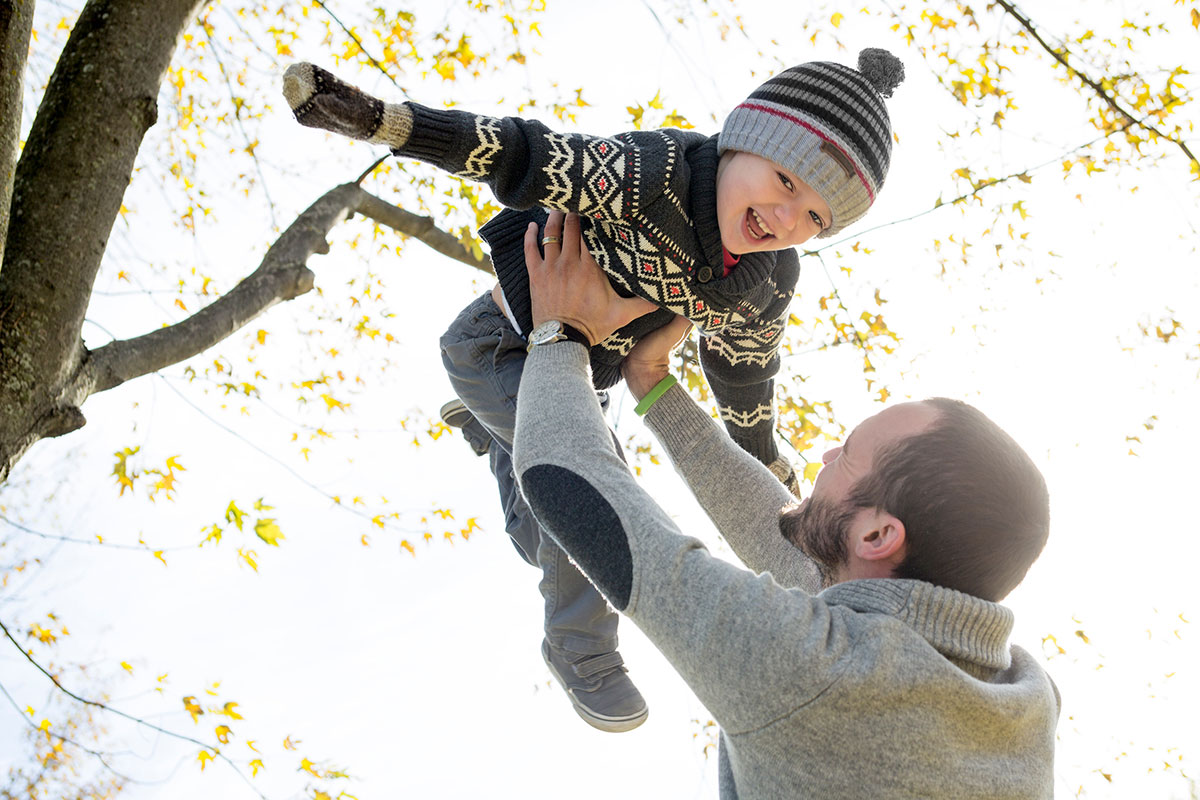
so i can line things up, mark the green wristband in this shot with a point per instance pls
(658, 391)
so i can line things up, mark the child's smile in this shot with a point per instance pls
(762, 207)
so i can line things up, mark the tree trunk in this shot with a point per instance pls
(16, 22)
(67, 191)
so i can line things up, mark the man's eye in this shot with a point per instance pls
(785, 180)
(817, 219)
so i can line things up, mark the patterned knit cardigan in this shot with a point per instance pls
(651, 200)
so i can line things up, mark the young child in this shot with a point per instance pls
(702, 226)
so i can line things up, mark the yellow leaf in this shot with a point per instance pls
(408, 546)
(234, 514)
(230, 710)
(45, 726)
(268, 531)
(223, 732)
(657, 101)
(836, 20)
(125, 666)
(173, 464)
(192, 707)
(204, 758)
(262, 336)
(159, 555)
(309, 767)
(248, 556)
(288, 744)
(1195, 18)
(255, 766)
(259, 505)
(811, 469)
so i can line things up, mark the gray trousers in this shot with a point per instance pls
(484, 358)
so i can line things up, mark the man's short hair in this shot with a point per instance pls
(975, 508)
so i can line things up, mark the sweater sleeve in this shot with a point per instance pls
(740, 495)
(710, 618)
(740, 363)
(528, 165)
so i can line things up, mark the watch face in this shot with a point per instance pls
(548, 331)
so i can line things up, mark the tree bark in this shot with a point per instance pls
(16, 22)
(67, 190)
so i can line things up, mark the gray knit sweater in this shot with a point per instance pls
(871, 688)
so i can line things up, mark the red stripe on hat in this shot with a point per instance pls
(777, 113)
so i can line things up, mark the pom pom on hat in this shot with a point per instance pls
(827, 124)
(882, 69)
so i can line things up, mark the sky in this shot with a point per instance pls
(421, 675)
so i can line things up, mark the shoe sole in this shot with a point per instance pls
(598, 721)
(454, 414)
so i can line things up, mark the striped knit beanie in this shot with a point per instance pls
(827, 124)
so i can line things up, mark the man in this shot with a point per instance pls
(885, 671)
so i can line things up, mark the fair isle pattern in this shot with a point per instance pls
(600, 188)
(644, 205)
(558, 171)
(479, 163)
(744, 349)
(747, 419)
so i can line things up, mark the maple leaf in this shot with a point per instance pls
(223, 732)
(255, 766)
(204, 758)
(268, 531)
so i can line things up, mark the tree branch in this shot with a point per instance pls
(1061, 57)
(422, 228)
(123, 715)
(16, 22)
(282, 275)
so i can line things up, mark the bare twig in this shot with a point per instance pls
(378, 65)
(1061, 56)
(130, 717)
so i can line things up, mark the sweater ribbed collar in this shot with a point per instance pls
(971, 632)
(752, 268)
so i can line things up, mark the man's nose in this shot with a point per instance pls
(830, 454)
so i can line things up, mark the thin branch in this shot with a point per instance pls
(100, 756)
(97, 542)
(1061, 57)
(130, 717)
(988, 184)
(361, 47)
(237, 118)
(421, 228)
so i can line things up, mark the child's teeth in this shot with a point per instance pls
(765, 228)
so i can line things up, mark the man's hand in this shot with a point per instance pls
(648, 361)
(569, 286)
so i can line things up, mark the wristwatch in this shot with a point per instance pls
(552, 331)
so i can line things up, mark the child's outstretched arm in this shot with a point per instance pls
(740, 364)
(525, 163)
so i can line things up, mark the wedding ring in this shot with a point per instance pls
(550, 240)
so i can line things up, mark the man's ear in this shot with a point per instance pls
(879, 538)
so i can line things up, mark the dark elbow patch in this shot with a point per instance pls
(585, 525)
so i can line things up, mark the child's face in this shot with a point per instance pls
(761, 206)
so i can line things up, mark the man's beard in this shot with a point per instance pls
(821, 530)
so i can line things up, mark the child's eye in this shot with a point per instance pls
(786, 181)
(817, 219)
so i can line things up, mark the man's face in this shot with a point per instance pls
(761, 206)
(824, 522)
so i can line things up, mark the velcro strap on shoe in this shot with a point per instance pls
(596, 665)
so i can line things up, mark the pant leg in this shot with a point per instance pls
(484, 358)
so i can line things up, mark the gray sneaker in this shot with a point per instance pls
(456, 415)
(599, 689)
